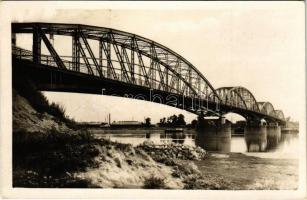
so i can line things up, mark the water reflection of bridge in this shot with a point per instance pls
(222, 142)
(209, 141)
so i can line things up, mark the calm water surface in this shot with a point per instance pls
(286, 146)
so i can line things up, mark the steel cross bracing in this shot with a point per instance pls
(132, 59)
(241, 97)
(174, 72)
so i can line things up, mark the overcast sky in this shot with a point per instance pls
(257, 45)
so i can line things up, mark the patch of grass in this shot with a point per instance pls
(52, 154)
(154, 183)
(40, 103)
(56, 110)
(28, 178)
(27, 89)
(208, 183)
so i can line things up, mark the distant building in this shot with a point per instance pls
(92, 124)
(294, 126)
(126, 124)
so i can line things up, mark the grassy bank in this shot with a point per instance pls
(48, 159)
(76, 159)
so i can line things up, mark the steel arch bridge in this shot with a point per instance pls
(126, 63)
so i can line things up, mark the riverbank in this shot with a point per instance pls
(49, 150)
(77, 160)
(48, 153)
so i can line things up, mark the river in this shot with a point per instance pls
(286, 146)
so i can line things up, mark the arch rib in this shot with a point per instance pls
(164, 56)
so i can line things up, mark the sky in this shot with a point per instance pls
(256, 45)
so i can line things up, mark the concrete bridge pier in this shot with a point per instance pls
(214, 135)
(273, 135)
(256, 137)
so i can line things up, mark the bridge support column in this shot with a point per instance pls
(273, 135)
(214, 135)
(75, 52)
(255, 137)
(100, 55)
(36, 45)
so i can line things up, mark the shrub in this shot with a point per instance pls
(56, 110)
(40, 103)
(27, 89)
(54, 153)
(154, 183)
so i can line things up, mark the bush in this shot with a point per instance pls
(22, 178)
(57, 111)
(154, 183)
(54, 153)
(27, 89)
(40, 103)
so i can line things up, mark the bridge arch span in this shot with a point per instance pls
(267, 108)
(165, 70)
(239, 97)
(122, 62)
(279, 114)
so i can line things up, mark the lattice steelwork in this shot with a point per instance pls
(279, 114)
(132, 59)
(241, 97)
(121, 56)
(267, 107)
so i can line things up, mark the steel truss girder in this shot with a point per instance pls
(107, 52)
(159, 55)
(266, 107)
(87, 63)
(279, 114)
(75, 52)
(123, 38)
(139, 52)
(226, 96)
(36, 46)
(243, 94)
(89, 50)
(132, 59)
(50, 48)
(158, 67)
(126, 57)
(121, 62)
(141, 63)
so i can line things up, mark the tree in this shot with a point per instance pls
(194, 123)
(147, 122)
(180, 120)
(172, 120)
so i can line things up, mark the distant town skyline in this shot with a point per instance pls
(260, 48)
